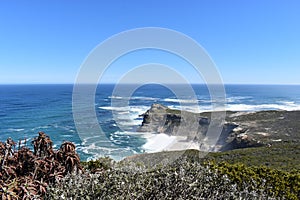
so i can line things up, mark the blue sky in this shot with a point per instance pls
(250, 41)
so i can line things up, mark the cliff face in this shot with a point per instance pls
(241, 130)
(161, 119)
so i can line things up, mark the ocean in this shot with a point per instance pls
(27, 109)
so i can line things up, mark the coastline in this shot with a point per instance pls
(240, 130)
(27, 109)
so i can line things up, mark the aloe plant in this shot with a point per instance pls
(26, 175)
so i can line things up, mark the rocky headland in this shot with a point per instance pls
(240, 129)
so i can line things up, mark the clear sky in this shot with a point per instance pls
(250, 41)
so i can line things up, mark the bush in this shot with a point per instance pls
(180, 180)
(275, 183)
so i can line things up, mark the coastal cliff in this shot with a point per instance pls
(240, 130)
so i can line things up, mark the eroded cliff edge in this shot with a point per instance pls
(240, 130)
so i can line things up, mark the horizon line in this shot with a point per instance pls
(110, 83)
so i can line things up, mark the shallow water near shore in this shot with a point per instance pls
(27, 109)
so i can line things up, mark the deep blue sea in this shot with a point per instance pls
(27, 109)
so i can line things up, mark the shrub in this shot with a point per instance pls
(179, 180)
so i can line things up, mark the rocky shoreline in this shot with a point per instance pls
(240, 130)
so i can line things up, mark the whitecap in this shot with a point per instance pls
(247, 107)
(130, 117)
(144, 98)
(134, 98)
(123, 109)
(96, 152)
(190, 101)
(15, 129)
(282, 105)
(130, 133)
(237, 98)
(117, 97)
(194, 108)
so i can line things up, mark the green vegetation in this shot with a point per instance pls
(275, 183)
(181, 179)
(253, 173)
(282, 156)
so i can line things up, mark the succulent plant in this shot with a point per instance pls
(26, 175)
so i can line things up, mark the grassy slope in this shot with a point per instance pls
(282, 156)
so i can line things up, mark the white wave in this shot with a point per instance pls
(201, 100)
(117, 97)
(129, 123)
(132, 112)
(129, 133)
(134, 98)
(144, 98)
(15, 129)
(164, 142)
(121, 109)
(125, 109)
(181, 100)
(158, 142)
(93, 146)
(205, 101)
(194, 108)
(282, 105)
(291, 103)
(90, 139)
(237, 98)
(246, 107)
(96, 151)
(126, 117)
(67, 136)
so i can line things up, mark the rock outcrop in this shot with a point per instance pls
(161, 119)
(241, 129)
